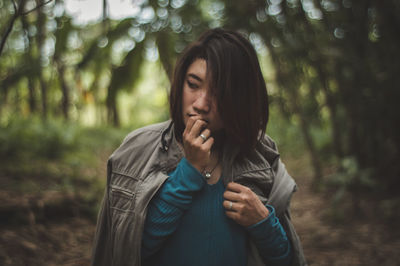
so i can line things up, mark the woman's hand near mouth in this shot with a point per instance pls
(197, 150)
(198, 117)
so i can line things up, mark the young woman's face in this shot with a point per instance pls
(198, 100)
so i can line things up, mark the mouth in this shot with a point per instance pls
(200, 118)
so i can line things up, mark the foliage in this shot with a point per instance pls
(330, 67)
(38, 157)
(26, 139)
(53, 139)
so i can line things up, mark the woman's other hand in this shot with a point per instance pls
(243, 206)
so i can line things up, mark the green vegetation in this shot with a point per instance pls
(63, 160)
(331, 69)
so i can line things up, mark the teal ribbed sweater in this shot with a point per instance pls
(186, 225)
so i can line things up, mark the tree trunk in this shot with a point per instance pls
(318, 64)
(164, 49)
(43, 90)
(112, 111)
(330, 102)
(304, 123)
(30, 59)
(305, 129)
(32, 98)
(41, 35)
(65, 102)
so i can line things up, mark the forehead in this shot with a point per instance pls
(198, 68)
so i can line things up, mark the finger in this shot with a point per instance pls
(235, 187)
(208, 144)
(197, 127)
(233, 215)
(229, 205)
(205, 145)
(206, 133)
(189, 125)
(232, 196)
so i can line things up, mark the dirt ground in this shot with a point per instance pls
(353, 241)
(68, 241)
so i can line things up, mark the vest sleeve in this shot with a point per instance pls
(298, 258)
(282, 191)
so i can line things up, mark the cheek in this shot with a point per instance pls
(188, 99)
(185, 97)
(185, 102)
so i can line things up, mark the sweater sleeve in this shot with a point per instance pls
(168, 205)
(271, 240)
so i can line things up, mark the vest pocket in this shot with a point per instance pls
(121, 199)
(122, 193)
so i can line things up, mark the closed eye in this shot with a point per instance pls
(192, 85)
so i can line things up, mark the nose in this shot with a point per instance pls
(202, 104)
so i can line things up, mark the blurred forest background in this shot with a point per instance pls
(72, 85)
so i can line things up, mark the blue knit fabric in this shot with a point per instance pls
(186, 225)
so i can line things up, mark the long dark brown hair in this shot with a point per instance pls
(237, 81)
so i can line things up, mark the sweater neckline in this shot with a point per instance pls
(215, 184)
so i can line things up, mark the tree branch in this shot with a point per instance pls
(36, 7)
(8, 30)
(18, 12)
(15, 6)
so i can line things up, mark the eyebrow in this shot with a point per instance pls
(195, 77)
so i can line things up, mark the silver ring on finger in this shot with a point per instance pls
(203, 137)
(230, 205)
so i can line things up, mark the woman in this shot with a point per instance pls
(207, 187)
